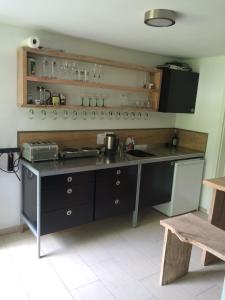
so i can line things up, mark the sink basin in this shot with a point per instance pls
(140, 153)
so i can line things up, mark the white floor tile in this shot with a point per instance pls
(11, 285)
(92, 291)
(43, 283)
(120, 283)
(212, 294)
(71, 269)
(138, 266)
(166, 292)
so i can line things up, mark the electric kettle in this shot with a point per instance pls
(111, 144)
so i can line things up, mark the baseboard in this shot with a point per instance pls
(12, 229)
(203, 210)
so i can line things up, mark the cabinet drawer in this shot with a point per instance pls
(108, 191)
(116, 173)
(67, 179)
(114, 206)
(65, 196)
(66, 218)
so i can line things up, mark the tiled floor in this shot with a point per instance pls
(100, 261)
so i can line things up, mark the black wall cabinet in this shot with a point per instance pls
(178, 91)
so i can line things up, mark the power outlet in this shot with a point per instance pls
(100, 138)
(10, 166)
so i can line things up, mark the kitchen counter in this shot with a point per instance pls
(161, 153)
(51, 203)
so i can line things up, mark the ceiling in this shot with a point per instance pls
(199, 30)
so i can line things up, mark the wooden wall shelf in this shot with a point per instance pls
(24, 78)
(90, 84)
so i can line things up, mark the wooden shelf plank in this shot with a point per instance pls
(91, 59)
(91, 84)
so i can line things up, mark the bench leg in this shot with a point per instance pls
(175, 258)
(217, 218)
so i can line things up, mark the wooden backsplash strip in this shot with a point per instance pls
(87, 138)
(193, 140)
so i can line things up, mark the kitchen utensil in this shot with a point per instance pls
(111, 144)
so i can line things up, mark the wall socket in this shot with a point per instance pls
(100, 138)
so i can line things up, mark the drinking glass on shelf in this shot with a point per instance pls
(42, 114)
(53, 68)
(146, 80)
(138, 115)
(73, 114)
(86, 101)
(132, 115)
(103, 100)
(93, 101)
(82, 100)
(101, 115)
(64, 114)
(86, 75)
(99, 73)
(45, 66)
(92, 114)
(84, 115)
(146, 115)
(30, 114)
(99, 101)
(94, 73)
(117, 115)
(64, 69)
(53, 114)
(125, 115)
(74, 71)
(109, 115)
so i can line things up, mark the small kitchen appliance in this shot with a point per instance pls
(111, 144)
(68, 153)
(40, 151)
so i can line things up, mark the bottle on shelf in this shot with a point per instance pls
(175, 139)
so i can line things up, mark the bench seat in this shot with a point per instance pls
(181, 233)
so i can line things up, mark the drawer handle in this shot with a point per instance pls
(117, 201)
(69, 179)
(118, 172)
(69, 191)
(117, 182)
(69, 212)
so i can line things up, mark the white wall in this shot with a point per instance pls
(209, 114)
(13, 118)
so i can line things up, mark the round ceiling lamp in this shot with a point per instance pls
(160, 17)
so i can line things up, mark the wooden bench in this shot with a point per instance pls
(180, 234)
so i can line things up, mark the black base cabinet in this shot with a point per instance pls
(115, 191)
(156, 183)
(73, 199)
(178, 91)
(66, 201)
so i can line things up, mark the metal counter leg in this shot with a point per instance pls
(38, 216)
(38, 246)
(135, 213)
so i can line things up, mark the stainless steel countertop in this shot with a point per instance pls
(162, 153)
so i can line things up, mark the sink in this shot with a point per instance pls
(140, 153)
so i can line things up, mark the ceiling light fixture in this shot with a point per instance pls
(160, 17)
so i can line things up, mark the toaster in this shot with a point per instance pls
(40, 151)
